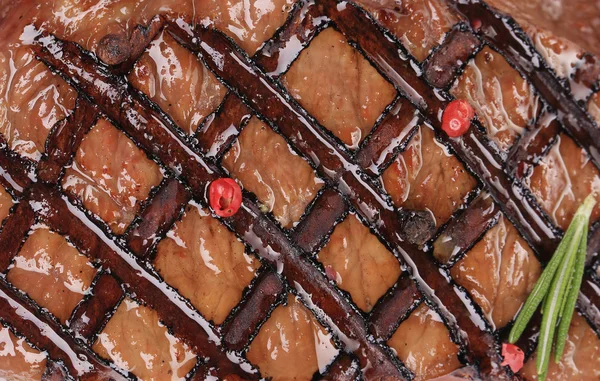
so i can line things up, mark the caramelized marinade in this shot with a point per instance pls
(385, 249)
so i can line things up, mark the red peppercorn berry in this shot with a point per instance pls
(476, 24)
(225, 196)
(513, 357)
(457, 118)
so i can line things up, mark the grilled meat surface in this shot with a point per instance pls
(369, 244)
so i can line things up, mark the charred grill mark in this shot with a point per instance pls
(445, 63)
(15, 172)
(589, 304)
(14, 232)
(93, 312)
(253, 311)
(389, 138)
(157, 218)
(344, 368)
(593, 258)
(186, 323)
(267, 99)
(293, 268)
(463, 231)
(279, 53)
(64, 139)
(220, 129)
(329, 208)
(46, 334)
(503, 33)
(394, 307)
(533, 145)
(161, 140)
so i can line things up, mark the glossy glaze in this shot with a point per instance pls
(249, 23)
(52, 272)
(503, 100)
(562, 55)
(562, 17)
(32, 100)
(320, 80)
(358, 263)
(291, 345)
(499, 272)
(178, 82)
(423, 343)
(428, 177)
(265, 165)
(136, 341)
(111, 176)
(18, 360)
(206, 263)
(563, 179)
(419, 24)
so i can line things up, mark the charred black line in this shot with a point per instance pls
(14, 312)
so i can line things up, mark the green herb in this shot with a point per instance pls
(558, 288)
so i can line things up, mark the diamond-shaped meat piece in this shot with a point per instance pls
(264, 163)
(427, 177)
(206, 263)
(361, 264)
(18, 360)
(291, 345)
(563, 178)
(178, 82)
(52, 272)
(339, 87)
(499, 272)
(594, 107)
(6, 202)
(423, 343)
(249, 23)
(111, 176)
(419, 24)
(32, 100)
(503, 100)
(581, 359)
(136, 341)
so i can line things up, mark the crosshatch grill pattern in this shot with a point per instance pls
(189, 164)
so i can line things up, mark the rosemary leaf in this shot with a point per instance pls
(571, 298)
(542, 286)
(552, 306)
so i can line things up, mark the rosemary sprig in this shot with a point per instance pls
(566, 313)
(558, 288)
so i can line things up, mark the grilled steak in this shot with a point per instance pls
(369, 243)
